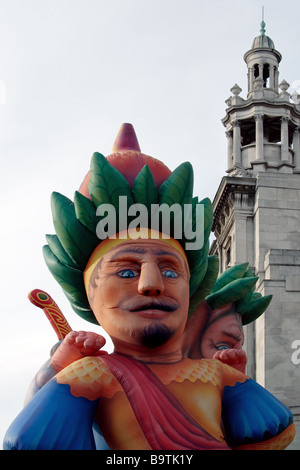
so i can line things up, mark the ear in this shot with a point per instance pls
(194, 329)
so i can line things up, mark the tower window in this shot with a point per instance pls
(265, 73)
(228, 256)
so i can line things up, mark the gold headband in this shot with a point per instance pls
(125, 237)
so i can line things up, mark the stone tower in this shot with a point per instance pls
(257, 216)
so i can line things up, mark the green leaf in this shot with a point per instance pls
(70, 279)
(198, 272)
(71, 282)
(106, 183)
(205, 287)
(231, 292)
(178, 187)
(57, 249)
(77, 241)
(144, 189)
(234, 272)
(242, 304)
(208, 217)
(256, 295)
(255, 309)
(85, 212)
(195, 256)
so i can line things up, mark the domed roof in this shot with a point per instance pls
(263, 40)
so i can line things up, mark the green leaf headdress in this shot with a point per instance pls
(75, 222)
(236, 284)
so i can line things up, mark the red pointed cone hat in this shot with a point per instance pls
(126, 139)
(127, 158)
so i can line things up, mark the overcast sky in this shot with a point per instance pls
(71, 72)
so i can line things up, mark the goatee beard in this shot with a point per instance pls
(155, 335)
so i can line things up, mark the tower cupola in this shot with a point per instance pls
(262, 61)
(263, 130)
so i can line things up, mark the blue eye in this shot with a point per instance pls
(170, 274)
(127, 273)
(222, 347)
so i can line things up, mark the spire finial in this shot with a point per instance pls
(262, 24)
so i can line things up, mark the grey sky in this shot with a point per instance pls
(71, 72)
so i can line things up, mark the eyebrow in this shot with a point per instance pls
(231, 335)
(140, 250)
(224, 314)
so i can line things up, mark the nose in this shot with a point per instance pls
(150, 281)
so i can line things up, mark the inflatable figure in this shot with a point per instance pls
(141, 282)
(216, 333)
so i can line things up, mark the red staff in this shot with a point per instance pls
(41, 299)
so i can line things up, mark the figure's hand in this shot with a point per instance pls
(235, 358)
(76, 345)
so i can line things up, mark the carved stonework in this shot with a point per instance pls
(237, 194)
(239, 170)
(257, 117)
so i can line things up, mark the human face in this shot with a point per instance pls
(140, 294)
(224, 331)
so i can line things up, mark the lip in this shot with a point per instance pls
(162, 306)
(152, 313)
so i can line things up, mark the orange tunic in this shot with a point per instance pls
(197, 385)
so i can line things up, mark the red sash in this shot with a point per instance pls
(165, 423)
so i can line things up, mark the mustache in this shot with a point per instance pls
(150, 304)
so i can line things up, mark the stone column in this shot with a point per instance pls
(250, 78)
(236, 142)
(259, 136)
(229, 149)
(296, 148)
(272, 76)
(276, 79)
(284, 139)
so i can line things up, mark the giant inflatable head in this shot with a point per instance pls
(106, 207)
(233, 303)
